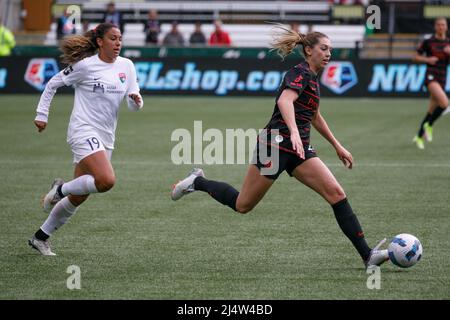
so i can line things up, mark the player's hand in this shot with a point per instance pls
(345, 156)
(41, 125)
(447, 50)
(136, 98)
(432, 60)
(297, 144)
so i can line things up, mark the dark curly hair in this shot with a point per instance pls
(78, 47)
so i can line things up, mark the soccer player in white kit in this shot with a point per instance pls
(102, 79)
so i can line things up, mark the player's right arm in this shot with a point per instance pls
(428, 60)
(286, 106)
(420, 58)
(294, 83)
(46, 98)
(67, 77)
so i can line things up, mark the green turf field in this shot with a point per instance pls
(135, 243)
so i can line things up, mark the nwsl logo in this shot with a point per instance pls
(339, 76)
(40, 71)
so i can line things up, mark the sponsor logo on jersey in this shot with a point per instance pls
(98, 87)
(40, 71)
(339, 76)
(122, 77)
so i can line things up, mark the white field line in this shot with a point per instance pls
(166, 163)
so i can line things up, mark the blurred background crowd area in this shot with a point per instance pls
(399, 29)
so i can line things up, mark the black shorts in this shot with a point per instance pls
(430, 77)
(286, 161)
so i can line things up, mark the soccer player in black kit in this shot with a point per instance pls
(437, 54)
(296, 109)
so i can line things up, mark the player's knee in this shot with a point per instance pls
(77, 200)
(336, 194)
(442, 101)
(105, 183)
(244, 207)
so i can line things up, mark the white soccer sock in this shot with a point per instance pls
(80, 186)
(59, 215)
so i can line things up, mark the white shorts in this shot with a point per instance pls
(81, 148)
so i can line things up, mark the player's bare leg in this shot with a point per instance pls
(253, 190)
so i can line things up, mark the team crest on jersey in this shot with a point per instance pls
(339, 76)
(122, 77)
(279, 138)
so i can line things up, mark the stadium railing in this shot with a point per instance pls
(305, 11)
(242, 35)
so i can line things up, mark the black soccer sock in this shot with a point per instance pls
(41, 235)
(349, 224)
(436, 114)
(221, 191)
(421, 130)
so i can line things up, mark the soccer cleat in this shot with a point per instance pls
(419, 142)
(377, 257)
(42, 246)
(52, 197)
(428, 131)
(186, 186)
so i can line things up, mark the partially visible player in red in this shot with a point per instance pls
(435, 52)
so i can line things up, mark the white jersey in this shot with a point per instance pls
(100, 87)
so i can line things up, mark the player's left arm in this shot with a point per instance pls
(321, 126)
(134, 98)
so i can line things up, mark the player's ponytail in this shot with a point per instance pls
(285, 41)
(78, 47)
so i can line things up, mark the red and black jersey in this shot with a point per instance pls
(301, 79)
(435, 47)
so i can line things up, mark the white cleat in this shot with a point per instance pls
(186, 186)
(52, 197)
(42, 246)
(446, 111)
(377, 257)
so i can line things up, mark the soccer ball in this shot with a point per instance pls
(405, 250)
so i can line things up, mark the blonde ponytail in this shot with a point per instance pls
(285, 40)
